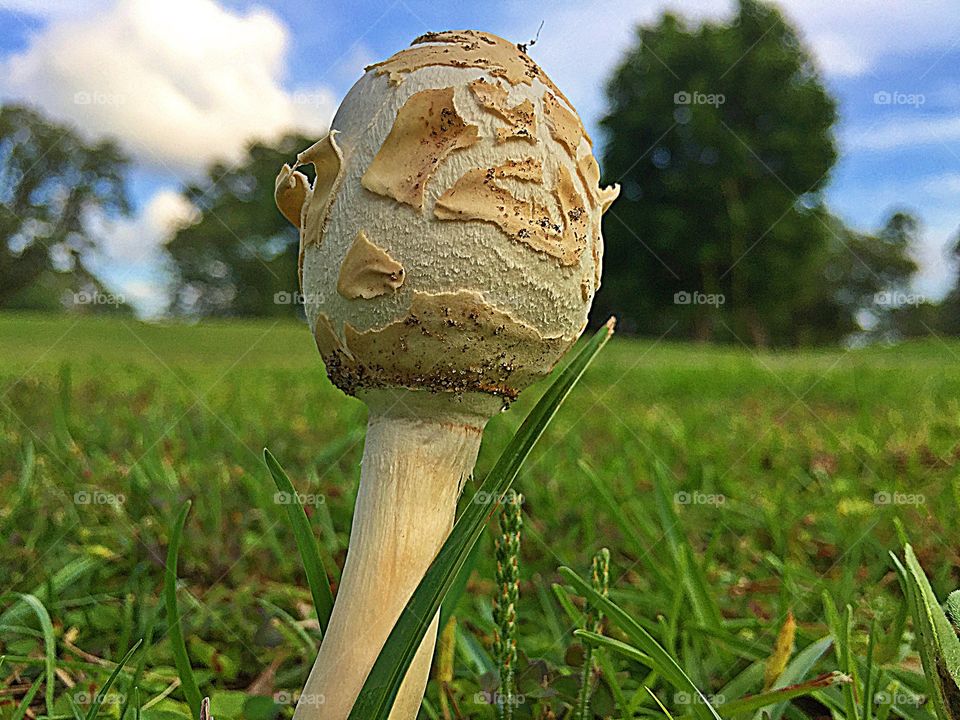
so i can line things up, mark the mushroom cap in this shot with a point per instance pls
(451, 240)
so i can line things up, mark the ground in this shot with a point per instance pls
(785, 472)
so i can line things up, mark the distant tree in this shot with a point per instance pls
(721, 137)
(50, 179)
(862, 282)
(242, 252)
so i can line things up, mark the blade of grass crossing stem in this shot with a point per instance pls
(102, 692)
(380, 689)
(659, 659)
(796, 670)
(306, 541)
(49, 645)
(21, 710)
(179, 648)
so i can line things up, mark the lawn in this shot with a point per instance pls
(731, 487)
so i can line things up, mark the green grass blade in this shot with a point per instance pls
(49, 644)
(938, 643)
(178, 646)
(21, 710)
(646, 644)
(380, 689)
(102, 692)
(797, 669)
(306, 541)
(753, 703)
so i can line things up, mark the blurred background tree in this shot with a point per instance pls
(722, 139)
(242, 254)
(52, 178)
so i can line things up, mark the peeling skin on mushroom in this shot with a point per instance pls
(521, 119)
(565, 127)
(368, 271)
(309, 208)
(290, 192)
(427, 128)
(465, 48)
(448, 342)
(478, 196)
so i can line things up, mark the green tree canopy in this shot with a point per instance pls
(51, 179)
(721, 137)
(242, 253)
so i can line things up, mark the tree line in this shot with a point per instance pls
(721, 136)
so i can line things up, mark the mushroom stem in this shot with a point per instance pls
(420, 447)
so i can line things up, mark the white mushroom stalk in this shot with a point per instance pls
(449, 251)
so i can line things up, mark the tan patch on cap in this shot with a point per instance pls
(327, 161)
(452, 342)
(465, 48)
(520, 118)
(589, 172)
(368, 271)
(290, 192)
(427, 128)
(565, 126)
(478, 196)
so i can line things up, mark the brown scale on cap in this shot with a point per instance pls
(427, 128)
(453, 342)
(478, 196)
(368, 271)
(521, 119)
(465, 48)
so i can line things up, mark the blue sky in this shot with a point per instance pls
(182, 81)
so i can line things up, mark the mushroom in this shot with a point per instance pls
(449, 251)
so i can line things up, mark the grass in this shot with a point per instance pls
(731, 488)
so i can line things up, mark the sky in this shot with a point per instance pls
(181, 83)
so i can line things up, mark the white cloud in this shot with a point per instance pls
(903, 132)
(582, 42)
(179, 82)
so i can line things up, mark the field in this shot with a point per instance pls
(731, 487)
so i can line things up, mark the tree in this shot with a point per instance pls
(51, 179)
(242, 253)
(862, 282)
(721, 137)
